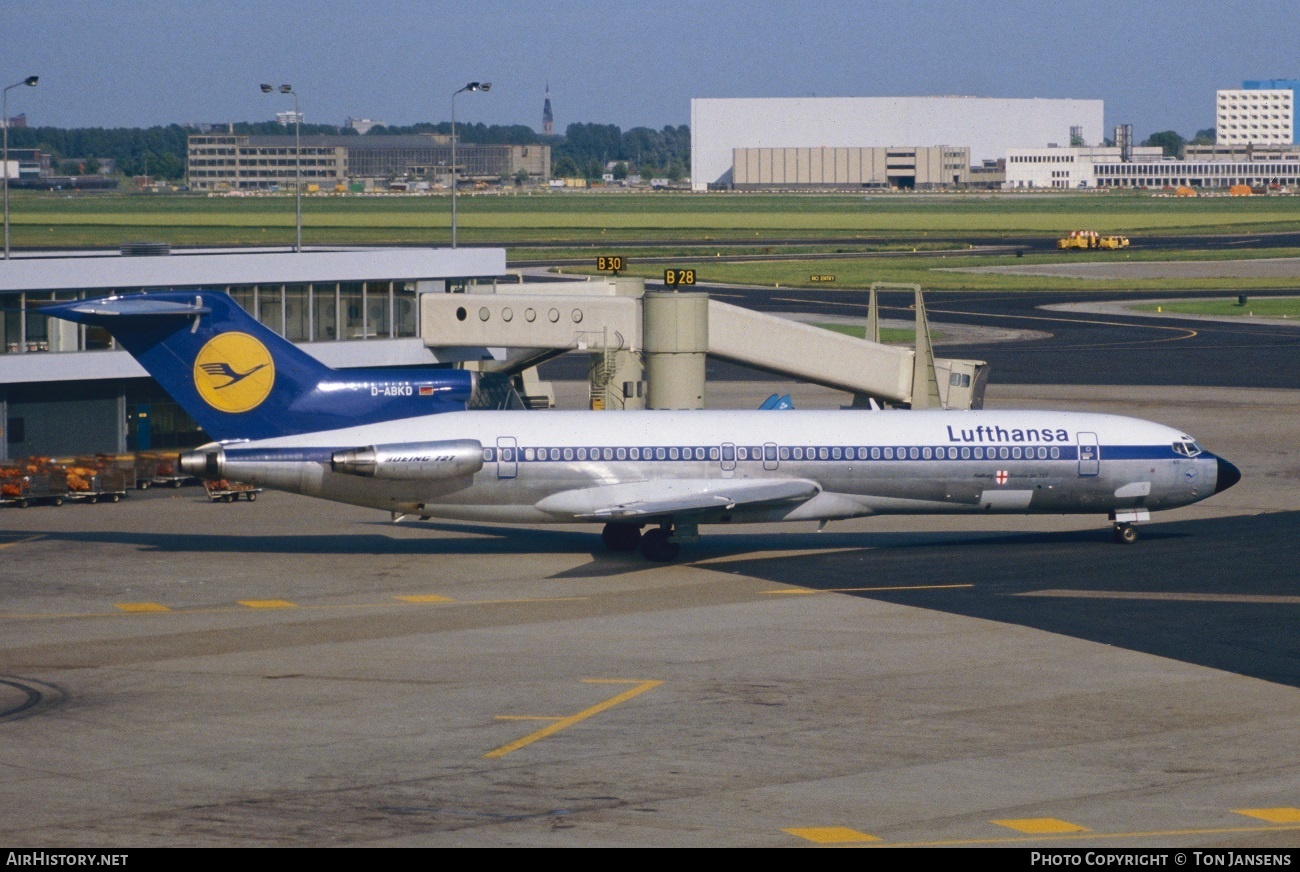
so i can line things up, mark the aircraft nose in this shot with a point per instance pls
(1228, 475)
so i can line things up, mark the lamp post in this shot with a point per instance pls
(30, 82)
(297, 157)
(455, 170)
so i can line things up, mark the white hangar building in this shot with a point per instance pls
(988, 126)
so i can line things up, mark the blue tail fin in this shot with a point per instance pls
(239, 380)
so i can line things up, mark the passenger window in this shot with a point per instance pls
(568, 454)
(672, 453)
(965, 454)
(1056, 453)
(607, 453)
(660, 454)
(925, 453)
(769, 452)
(635, 453)
(875, 454)
(582, 454)
(822, 454)
(1015, 453)
(487, 455)
(713, 454)
(742, 453)
(621, 454)
(913, 453)
(835, 454)
(728, 453)
(555, 454)
(528, 454)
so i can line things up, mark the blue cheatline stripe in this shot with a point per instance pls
(831, 453)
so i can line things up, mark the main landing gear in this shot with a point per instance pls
(1125, 534)
(654, 545)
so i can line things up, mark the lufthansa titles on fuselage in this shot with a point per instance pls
(984, 433)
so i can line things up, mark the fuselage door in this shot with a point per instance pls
(1089, 454)
(507, 457)
(769, 455)
(728, 455)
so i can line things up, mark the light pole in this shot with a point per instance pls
(297, 157)
(30, 82)
(455, 170)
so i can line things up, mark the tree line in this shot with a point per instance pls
(584, 149)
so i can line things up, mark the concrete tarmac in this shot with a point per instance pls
(292, 672)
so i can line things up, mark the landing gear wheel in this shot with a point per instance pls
(617, 537)
(655, 546)
(1126, 534)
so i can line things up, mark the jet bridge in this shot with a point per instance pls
(647, 349)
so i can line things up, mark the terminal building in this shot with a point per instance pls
(1146, 167)
(227, 162)
(66, 389)
(986, 128)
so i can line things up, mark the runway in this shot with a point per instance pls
(292, 672)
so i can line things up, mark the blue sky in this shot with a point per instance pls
(111, 63)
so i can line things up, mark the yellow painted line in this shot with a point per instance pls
(271, 604)
(141, 608)
(565, 722)
(774, 555)
(21, 541)
(1040, 825)
(1165, 597)
(1148, 834)
(831, 835)
(1272, 815)
(424, 598)
(799, 591)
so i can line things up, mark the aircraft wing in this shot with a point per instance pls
(645, 499)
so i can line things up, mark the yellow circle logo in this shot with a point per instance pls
(234, 372)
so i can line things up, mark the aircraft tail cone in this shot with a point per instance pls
(1228, 476)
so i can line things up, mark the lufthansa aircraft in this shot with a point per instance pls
(404, 441)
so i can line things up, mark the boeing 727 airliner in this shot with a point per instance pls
(403, 441)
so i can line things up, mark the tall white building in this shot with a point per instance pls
(1257, 117)
(988, 127)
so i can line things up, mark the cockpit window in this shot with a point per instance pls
(1187, 448)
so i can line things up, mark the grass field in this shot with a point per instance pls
(685, 226)
(887, 334)
(1270, 307)
(55, 219)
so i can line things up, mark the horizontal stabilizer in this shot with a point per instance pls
(139, 307)
(646, 499)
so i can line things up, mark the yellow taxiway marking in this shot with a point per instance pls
(21, 541)
(280, 604)
(774, 555)
(1167, 597)
(561, 723)
(141, 608)
(424, 598)
(799, 591)
(1040, 825)
(1272, 815)
(1087, 834)
(831, 835)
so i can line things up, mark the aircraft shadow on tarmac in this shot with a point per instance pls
(1221, 592)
